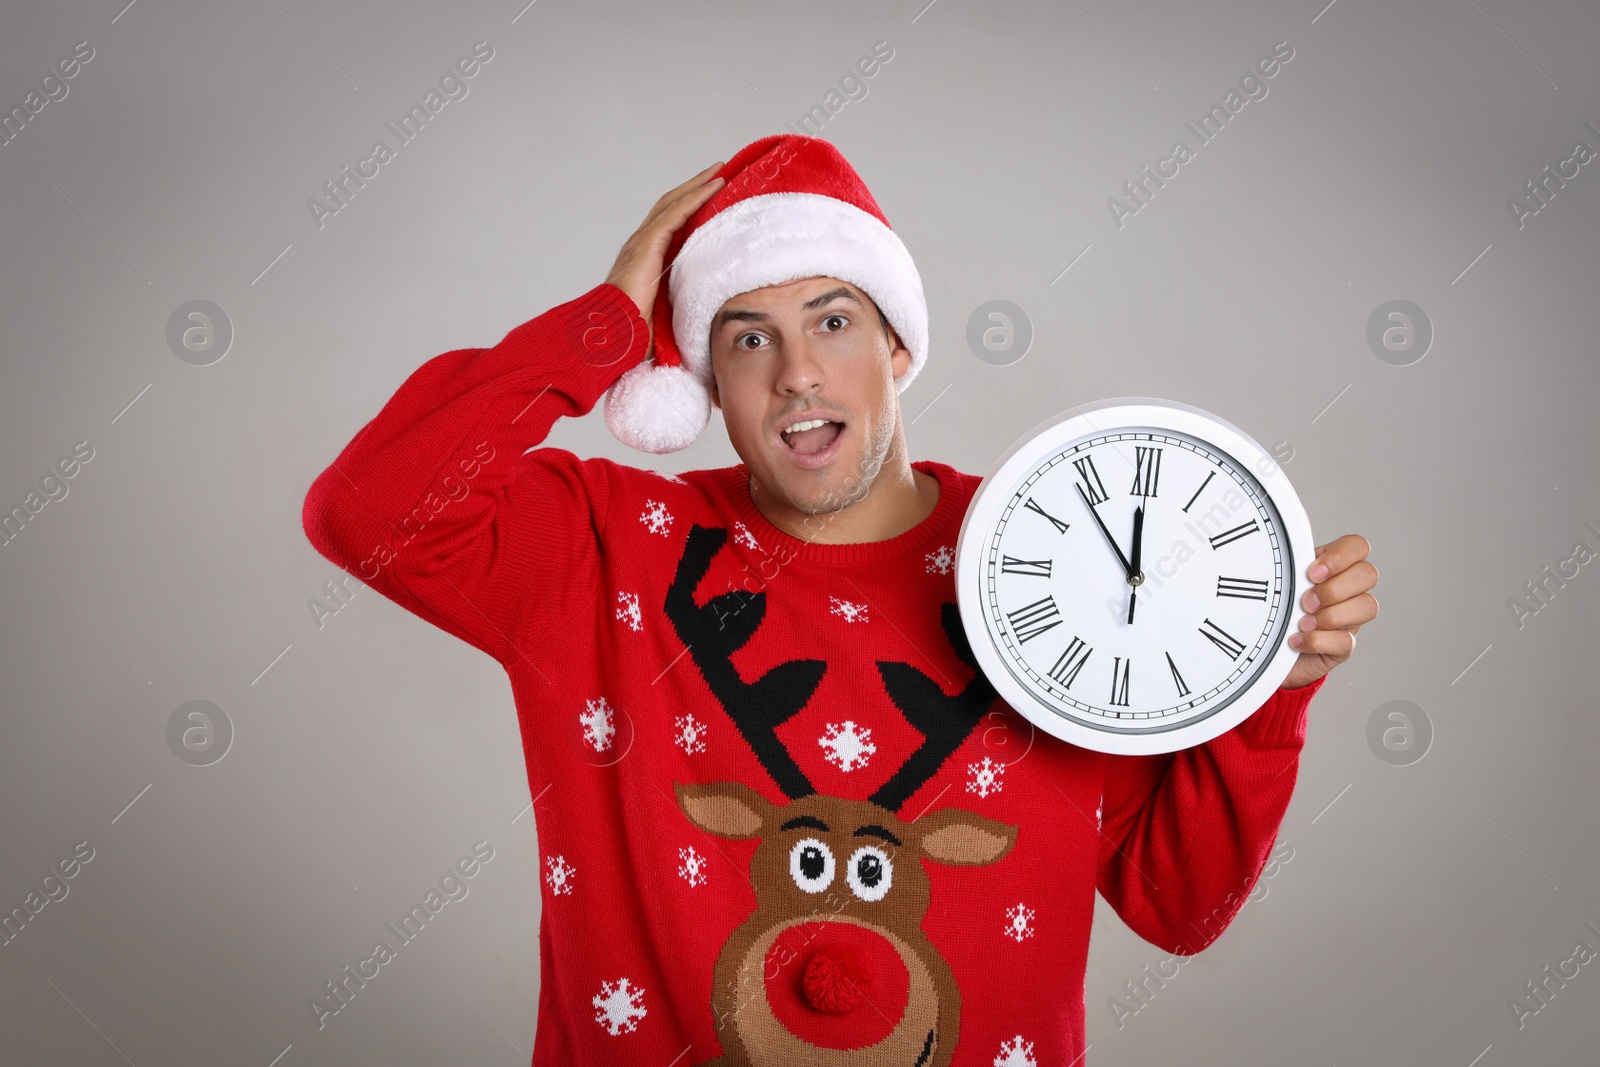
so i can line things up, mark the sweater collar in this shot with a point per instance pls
(941, 525)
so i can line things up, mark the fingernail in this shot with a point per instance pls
(1318, 571)
(1311, 602)
(1294, 641)
(1308, 622)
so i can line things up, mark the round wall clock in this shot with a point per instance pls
(1129, 574)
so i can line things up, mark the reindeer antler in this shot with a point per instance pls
(944, 721)
(722, 626)
(719, 629)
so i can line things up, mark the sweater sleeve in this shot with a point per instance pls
(434, 503)
(1185, 835)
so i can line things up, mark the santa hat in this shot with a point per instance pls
(792, 208)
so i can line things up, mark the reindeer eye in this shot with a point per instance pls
(811, 864)
(870, 872)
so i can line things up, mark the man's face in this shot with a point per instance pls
(805, 350)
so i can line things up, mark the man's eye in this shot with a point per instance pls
(842, 319)
(756, 337)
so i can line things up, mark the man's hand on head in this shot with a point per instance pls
(1337, 605)
(640, 264)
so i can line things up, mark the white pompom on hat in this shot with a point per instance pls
(792, 208)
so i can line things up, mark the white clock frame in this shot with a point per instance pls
(1056, 435)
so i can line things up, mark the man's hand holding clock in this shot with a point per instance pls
(1339, 604)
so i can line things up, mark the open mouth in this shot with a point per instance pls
(812, 440)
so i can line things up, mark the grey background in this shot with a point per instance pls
(371, 753)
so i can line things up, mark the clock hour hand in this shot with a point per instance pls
(1126, 570)
(1135, 575)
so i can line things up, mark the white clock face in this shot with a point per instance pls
(1119, 634)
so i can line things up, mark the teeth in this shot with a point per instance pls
(811, 424)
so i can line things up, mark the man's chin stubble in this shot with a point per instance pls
(855, 487)
(834, 499)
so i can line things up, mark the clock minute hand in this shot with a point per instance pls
(1126, 570)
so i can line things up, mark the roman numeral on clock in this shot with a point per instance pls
(1031, 620)
(1061, 527)
(1089, 479)
(1147, 470)
(1228, 537)
(1121, 669)
(1242, 588)
(1071, 662)
(1036, 568)
(1177, 678)
(1222, 639)
(1200, 490)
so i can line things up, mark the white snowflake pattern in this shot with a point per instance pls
(628, 610)
(847, 744)
(691, 866)
(691, 735)
(1016, 1053)
(656, 518)
(846, 610)
(743, 536)
(985, 777)
(559, 876)
(599, 724)
(941, 560)
(1019, 922)
(619, 1006)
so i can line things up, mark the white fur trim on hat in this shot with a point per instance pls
(779, 237)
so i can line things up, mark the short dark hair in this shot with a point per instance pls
(882, 318)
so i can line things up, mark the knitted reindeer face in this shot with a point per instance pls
(853, 850)
(832, 968)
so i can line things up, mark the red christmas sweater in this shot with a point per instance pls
(783, 818)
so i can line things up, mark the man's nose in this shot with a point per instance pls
(800, 368)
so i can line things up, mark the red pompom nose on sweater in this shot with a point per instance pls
(836, 978)
(836, 985)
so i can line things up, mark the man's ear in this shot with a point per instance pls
(899, 354)
(716, 399)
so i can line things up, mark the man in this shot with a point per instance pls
(783, 817)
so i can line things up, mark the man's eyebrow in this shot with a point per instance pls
(737, 315)
(733, 315)
(831, 294)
